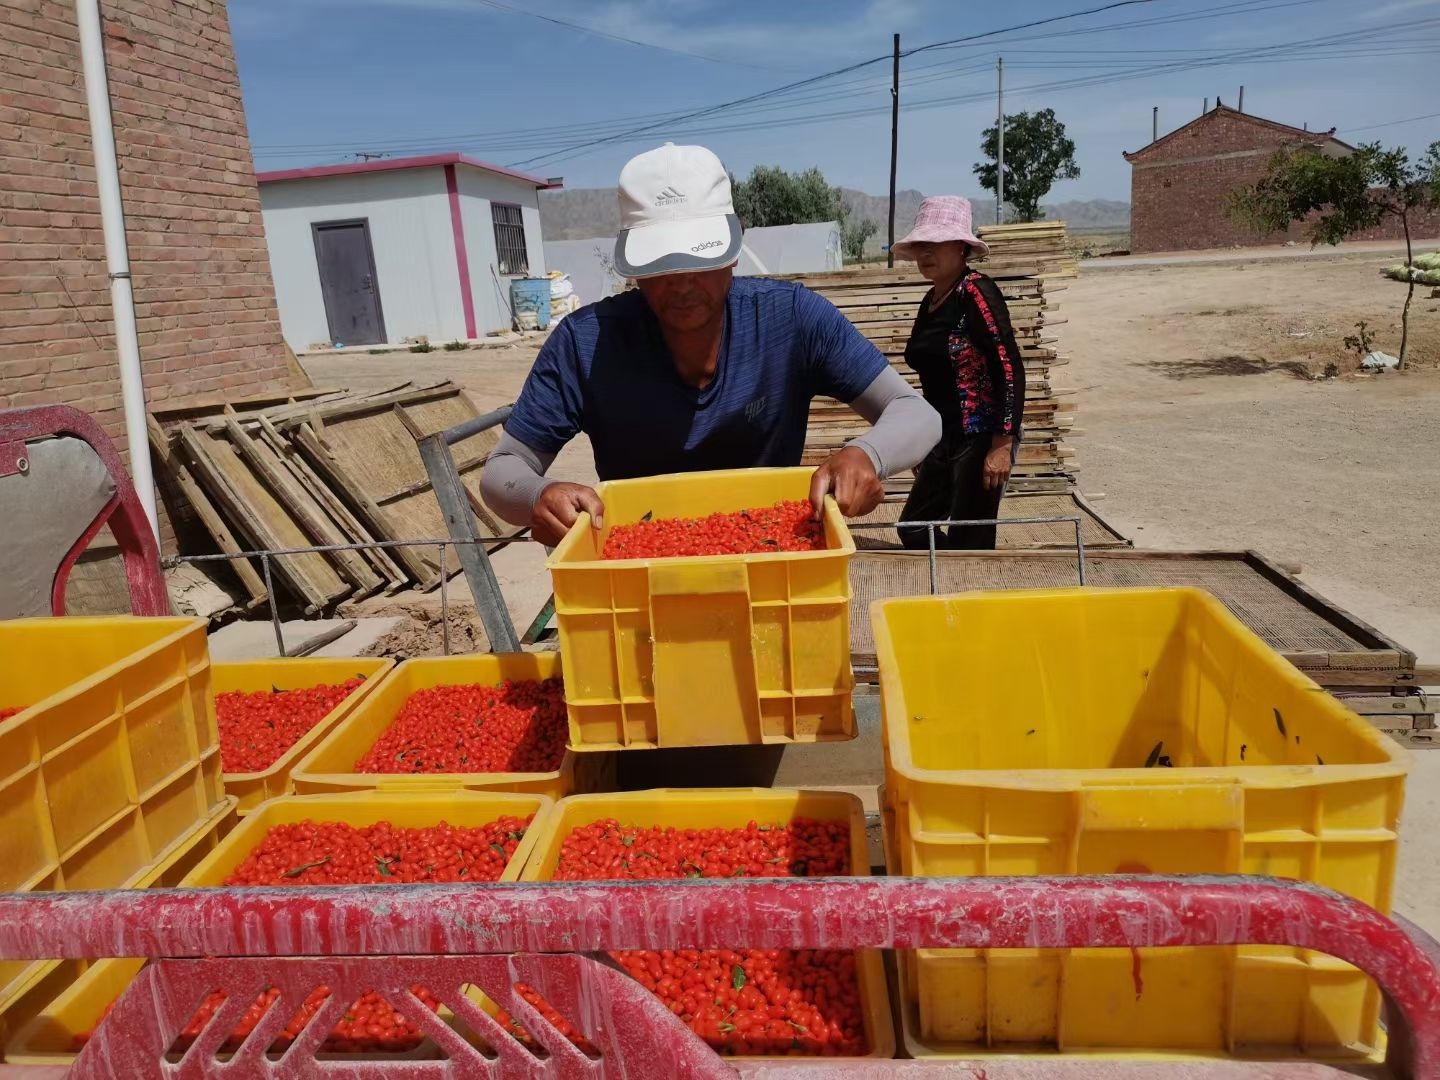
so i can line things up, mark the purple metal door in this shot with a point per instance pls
(347, 282)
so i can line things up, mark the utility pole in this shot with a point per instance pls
(1000, 140)
(1154, 123)
(894, 148)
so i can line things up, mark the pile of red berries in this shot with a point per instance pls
(334, 853)
(514, 727)
(257, 727)
(740, 1001)
(370, 1025)
(786, 526)
(803, 848)
(5, 714)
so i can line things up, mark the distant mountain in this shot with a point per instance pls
(580, 213)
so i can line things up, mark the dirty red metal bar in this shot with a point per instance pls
(451, 920)
(122, 512)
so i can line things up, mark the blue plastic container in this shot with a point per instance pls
(531, 297)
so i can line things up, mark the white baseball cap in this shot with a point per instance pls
(675, 213)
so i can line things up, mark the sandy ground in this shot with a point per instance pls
(1202, 430)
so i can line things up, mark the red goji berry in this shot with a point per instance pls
(257, 727)
(514, 727)
(786, 526)
(336, 853)
(740, 1001)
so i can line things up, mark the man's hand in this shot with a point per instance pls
(557, 508)
(850, 477)
(997, 462)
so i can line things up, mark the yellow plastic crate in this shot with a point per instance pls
(113, 759)
(40, 981)
(330, 766)
(291, 673)
(1018, 727)
(766, 636)
(48, 1038)
(730, 808)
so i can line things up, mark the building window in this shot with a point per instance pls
(509, 239)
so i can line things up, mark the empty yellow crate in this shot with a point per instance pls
(291, 673)
(43, 980)
(705, 651)
(330, 767)
(730, 808)
(49, 1037)
(1018, 729)
(113, 758)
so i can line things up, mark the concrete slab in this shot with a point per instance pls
(255, 640)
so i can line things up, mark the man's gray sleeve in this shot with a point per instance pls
(513, 477)
(905, 426)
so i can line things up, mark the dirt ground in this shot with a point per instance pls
(1199, 432)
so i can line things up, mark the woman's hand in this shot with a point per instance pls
(997, 462)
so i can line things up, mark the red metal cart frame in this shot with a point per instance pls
(355, 939)
(122, 511)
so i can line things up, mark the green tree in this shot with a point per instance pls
(853, 235)
(1340, 196)
(772, 196)
(1037, 153)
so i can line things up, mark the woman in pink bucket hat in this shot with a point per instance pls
(964, 351)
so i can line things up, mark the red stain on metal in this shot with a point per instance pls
(1135, 972)
(445, 935)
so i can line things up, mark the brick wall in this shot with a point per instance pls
(205, 303)
(1179, 187)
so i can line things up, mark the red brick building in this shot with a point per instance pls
(1180, 182)
(204, 299)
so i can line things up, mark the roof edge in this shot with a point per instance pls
(424, 161)
(1301, 133)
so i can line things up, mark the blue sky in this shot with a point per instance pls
(326, 79)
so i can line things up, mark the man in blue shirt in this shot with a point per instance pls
(694, 370)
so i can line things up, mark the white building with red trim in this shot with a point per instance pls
(382, 251)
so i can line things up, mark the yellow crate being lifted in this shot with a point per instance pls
(49, 1037)
(112, 760)
(330, 766)
(709, 650)
(1115, 731)
(730, 808)
(292, 673)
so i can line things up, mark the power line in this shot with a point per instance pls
(1391, 123)
(825, 75)
(583, 28)
(522, 138)
(856, 81)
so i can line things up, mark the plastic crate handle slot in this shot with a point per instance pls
(703, 656)
(1143, 829)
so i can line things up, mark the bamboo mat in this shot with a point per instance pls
(1285, 623)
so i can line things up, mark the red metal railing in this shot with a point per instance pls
(447, 936)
